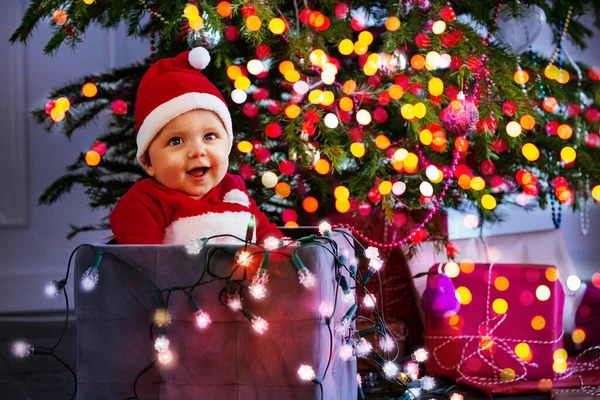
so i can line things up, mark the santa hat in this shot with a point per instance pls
(174, 86)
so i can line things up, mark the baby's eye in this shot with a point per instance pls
(175, 141)
(210, 136)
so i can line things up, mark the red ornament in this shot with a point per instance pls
(403, 81)
(462, 169)
(275, 107)
(488, 167)
(448, 14)
(363, 96)
(452, 249)
(374, 81)
(451, 92)
(248, 10)
(250, 110)
(448, 40)
(326, 24)
(273, 130)
(344, 116)
(380, 115)
(263, 51)
(419, 235)
(592, 115)
(435, 101)
(559, 181)
(573, 110)
(305, 14)
(509, 108)
(592, 140)
(308, 128)
(312, 116)
(531, 190)
(100, 148)
(384, 98)
(422, 40)
(399, 220)
(374, 195)
(459, 36)
(497, 181)
(260, 94)
(355, 134)
(263, 155)
(341, 10)
(231, 33)
(499, 145)
(487, 125)
(594, 73)
(289, 215)
(416, 89)
(247, 172)
(287, 167)
(119, 107)
(357, 23)
(49, 106)
(456, 62)
(460, 116)
(474, 63)
(552, 128)
(364, 209)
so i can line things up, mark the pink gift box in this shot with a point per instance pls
(507, 328)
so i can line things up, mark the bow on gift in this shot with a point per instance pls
(487, 340)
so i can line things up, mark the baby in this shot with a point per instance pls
(184, 137)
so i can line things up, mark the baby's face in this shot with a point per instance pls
(190, 154)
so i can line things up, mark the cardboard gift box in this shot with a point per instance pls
(227, 360)
(494, 323)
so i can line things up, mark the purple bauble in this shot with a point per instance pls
(460, 116)
(439, 299)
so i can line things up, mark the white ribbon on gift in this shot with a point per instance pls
(502, 343)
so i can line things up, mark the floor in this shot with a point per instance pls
(43, 378)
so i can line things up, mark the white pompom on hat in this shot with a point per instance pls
(174, 86)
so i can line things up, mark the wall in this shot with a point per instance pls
(33, 249)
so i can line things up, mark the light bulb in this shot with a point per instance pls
(260, 325)
(324, 228)
(194, 246)
(375, 264)
(346, 352)
(326, 309)
(258, 290)
(306, 373)
(573, 283)
(271, 243)
(427, 383)
(420, 355)
(90, 279)
(343, 327)
(307, 279)
(386, 343)
(53, 288)
(363, 347)
(22, 349)
(371, 252)
(165, 357)
(234, 302)
(412, 370)
(243, 258)
(161, 343)
(202, 319)
(301, 87)
(390, 369)
(369, 301)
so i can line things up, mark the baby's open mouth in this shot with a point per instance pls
(198, 172)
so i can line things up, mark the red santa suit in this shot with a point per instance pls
(151, 213)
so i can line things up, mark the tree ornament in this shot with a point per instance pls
(460, 116)
(518, 32)
(119, 107)
(341, 10)
(60, 17)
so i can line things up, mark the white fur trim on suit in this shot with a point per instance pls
(161, 115)
(236, 196)
(183, 230)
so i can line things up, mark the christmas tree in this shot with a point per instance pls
(353, 111)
